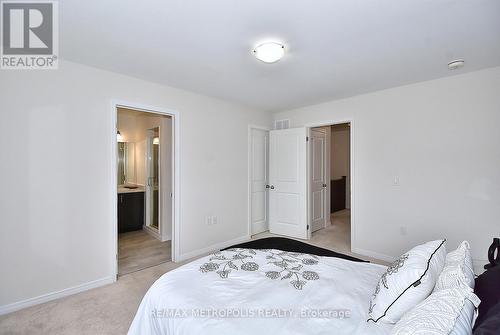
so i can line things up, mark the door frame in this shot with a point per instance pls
(176, 180)
(351, 170)
(249, 177)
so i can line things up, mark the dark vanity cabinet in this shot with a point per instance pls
(337, 194)
(130, 211)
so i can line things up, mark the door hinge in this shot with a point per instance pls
(307, 138)
(307, 227)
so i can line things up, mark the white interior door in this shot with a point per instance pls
(288, 187)
(318, 178)
(259, 159)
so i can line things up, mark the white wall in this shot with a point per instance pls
(442, 139)
(55, 143)
(340, 151)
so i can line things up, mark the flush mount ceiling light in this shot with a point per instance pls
(456, 64)
(269, 52)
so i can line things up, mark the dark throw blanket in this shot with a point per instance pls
(287, 244)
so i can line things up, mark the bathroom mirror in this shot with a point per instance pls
(126, 163)
(122, 162)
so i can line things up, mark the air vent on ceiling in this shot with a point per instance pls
(282, 124)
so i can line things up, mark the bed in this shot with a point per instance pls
(259, 288)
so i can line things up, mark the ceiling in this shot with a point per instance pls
(335, 48)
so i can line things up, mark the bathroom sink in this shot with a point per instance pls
(130, 187)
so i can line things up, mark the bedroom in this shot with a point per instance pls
(381, 65)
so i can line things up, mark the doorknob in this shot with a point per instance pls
(267, 186)
(324, 185)
(272, 187)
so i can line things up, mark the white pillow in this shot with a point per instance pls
(467, 318)
(458, 269)
(448, 311)
(407, 282)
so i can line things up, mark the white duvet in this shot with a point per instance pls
(247, 291)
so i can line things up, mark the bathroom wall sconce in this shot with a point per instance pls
(119, 136)
(156, 140)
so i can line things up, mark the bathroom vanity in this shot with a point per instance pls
(130, 208)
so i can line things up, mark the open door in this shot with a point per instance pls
(318, 178)
(288, 182)
(259, 180)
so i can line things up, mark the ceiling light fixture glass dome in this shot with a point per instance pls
(269, 52)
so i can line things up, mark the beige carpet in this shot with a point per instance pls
(110, 309)
(338, 234)
(138, 250)
(104, 310)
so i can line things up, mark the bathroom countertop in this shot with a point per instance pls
(122, 189)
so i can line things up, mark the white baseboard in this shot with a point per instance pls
(166, 238)
(5, 309)
(213, 247)
(258, 228)
(373, 254)
(151, 232)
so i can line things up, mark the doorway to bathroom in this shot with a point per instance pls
(330, 184)
(144, 188)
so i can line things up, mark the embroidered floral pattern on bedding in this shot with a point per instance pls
(393, 268)
(223, 264)
(292, 266)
